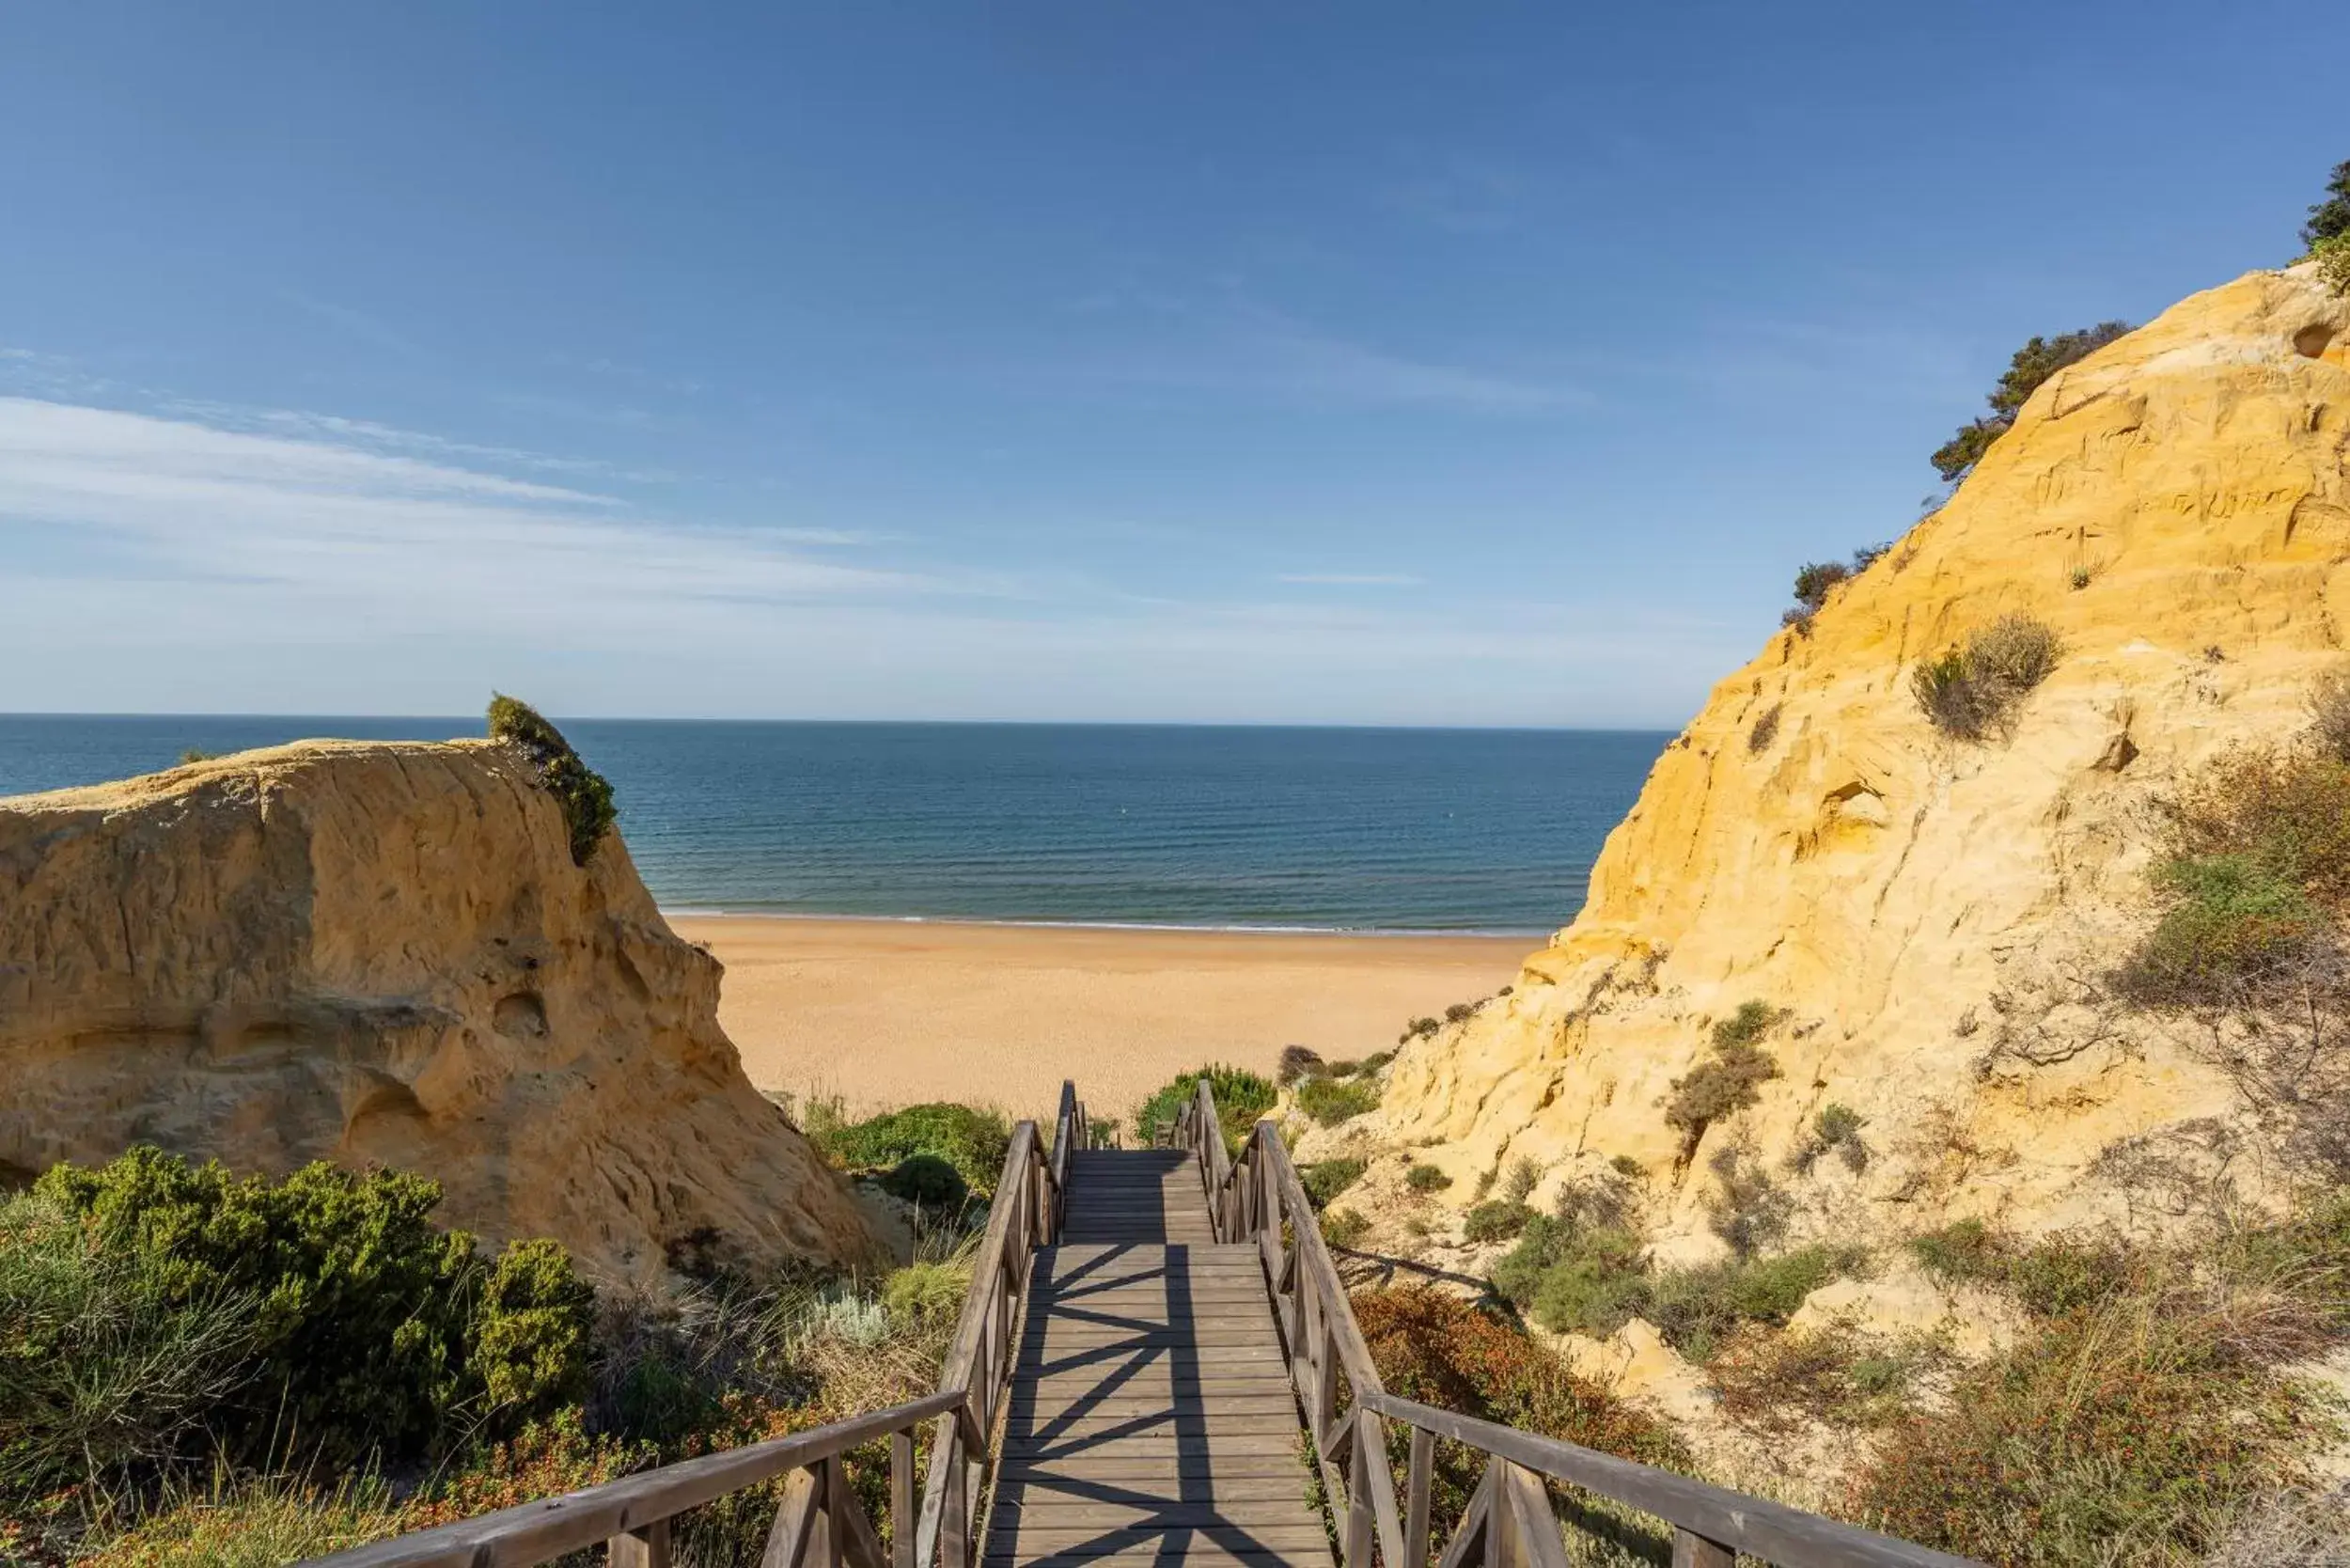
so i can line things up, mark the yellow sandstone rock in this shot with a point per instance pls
(1936, 918)
(384, 955)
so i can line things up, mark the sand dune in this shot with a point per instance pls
(888, 1012)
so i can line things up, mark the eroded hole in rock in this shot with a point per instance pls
(520, 1016)
(2312, 340)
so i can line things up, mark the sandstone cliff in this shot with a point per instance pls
(1934, 918)
(384, 954)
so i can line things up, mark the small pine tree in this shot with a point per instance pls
(2329, 219)
(2026, 373)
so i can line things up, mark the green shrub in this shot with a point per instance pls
(1426, 1178)
(2031, 367)
(1728, 1081)
(1972, 692)
(926, 1180)
(583, 793)
(1495, 1221)
(1524, 1175)
(927, 1295)
(2333, 257)
(365, 1331)
(1696, 1309)
(2329, 219)
(1326, 1179)
(2258, 868)
(1418, 1028)
(1329, 1101)
(1242, 1100)
(95, 1372)
(1835, 1130)
(973, 1141)
(1748, 1210)
(1344, 1227)
(2140, 1421)
(1573, 1275)
(1965, 1251)
(1296, 1062)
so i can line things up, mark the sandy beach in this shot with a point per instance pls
(886, 1013)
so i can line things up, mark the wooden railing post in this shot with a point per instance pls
(645, 1547)
(1692, 1550)
(1419, 1487)
(902, 1513)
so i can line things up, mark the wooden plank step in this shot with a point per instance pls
(1047, 1491)
(1267, 1392)
(1301, 1530)
(1277, 1404)
(1201, 1334)
(1169, 1477)
(1258, 1516)
(1152, 1444)
(1194, 1555)
(1153, 1382)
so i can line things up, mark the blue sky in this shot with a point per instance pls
(1355, 364)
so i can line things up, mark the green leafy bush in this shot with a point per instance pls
(928, 1295)
(2031, 367)
(1835, 1130)
(2329, 219)
(1426, 1178)
(1965, 1251)
(973, 1141)
(1326, 1179)
(1242, 1100)
(1331, 1101)
(1728, 1081)
(926, 1180)
(1344, 1227)
(584, 794)
(1495, 1221)
(2333, 257)
(363, 1330)
(1696, 1309)
(1970, 693)
(2257, 870)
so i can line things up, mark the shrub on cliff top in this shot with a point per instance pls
(584, 794)
(2031, 366)
(1331, 1101)
(2329, 219)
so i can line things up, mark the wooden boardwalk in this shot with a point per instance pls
(1150, 1416)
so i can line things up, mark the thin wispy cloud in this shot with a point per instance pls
(1350, 579)
(319, 531)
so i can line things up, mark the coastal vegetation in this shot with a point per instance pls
(1972, 691)
(197, 1367)
(1242, 1098)
(583, 794)
(933, 1153)
(2027, 372)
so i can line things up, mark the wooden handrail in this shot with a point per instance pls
(820, 1523)
(635, 1509)
(1510, 1522)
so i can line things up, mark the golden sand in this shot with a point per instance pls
(886, 1013)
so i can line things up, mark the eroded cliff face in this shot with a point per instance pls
(383, 954)
(1937, 918)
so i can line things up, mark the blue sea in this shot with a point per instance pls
(1381, 830)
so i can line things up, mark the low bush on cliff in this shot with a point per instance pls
(1331, 1101)
(321, 1314)
(2150, 1403)
(1440, 1350)
(1971, 692)
(584, 794)
(1727, 1081)
(1241, 1099)
(972, 1141)
(1326, 1179)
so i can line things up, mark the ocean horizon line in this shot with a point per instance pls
(1171, 926)
(476, 721)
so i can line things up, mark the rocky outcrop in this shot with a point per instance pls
(384, 955)
(1932, 920)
